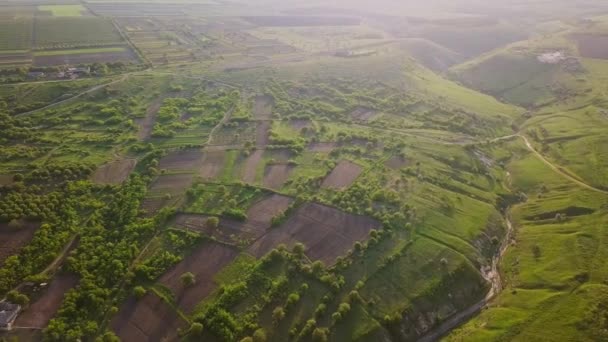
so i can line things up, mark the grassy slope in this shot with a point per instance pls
(514, 74)
(554, 270)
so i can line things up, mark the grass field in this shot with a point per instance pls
(15, 34)
(63, 10)
(69, 32)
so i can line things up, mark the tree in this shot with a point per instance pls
(196, 328)
(293, 298)
(139, 292)
(278, 314)
(213, 222)
(188, 279)
(318, 267)
(109, 337)
(320, 335)
(299, 249)
(259, 335)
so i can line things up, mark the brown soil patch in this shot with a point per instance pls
(172, 184)
(322, 147)
(152, 205)
(250, 166)
(262, 211)
(212, 164)
(281, 155)
(114, 172)
(276, 175)
(397, 162)
(204, 262)
(147, 319)
(40, 312)
(262, 136)
(592, 45)
(362, 114)
(229, 231)
(191, 159)
(259, 218)
(146, 124)
(343, 175)
(6, 179)
(326, 232)
(262, 108)
(12, 239)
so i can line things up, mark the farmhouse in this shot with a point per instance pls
(35, 74)
(79, 71)
(8, 314)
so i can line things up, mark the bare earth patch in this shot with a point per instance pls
(262, 108)
(204, 263)
(276, 175)
(259, 218)
(322, 147)
(114, 172)
(147, 319)
(250, 166)
(191, 159)
(40, 312)
(397, 162)
(6, 179)
(12, 239)
(212, 164)
(362, 114)
(326, 232)
(146, 124)
(343, 175)
(262, 134)
(172, 184)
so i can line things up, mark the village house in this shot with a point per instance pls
(8, 314)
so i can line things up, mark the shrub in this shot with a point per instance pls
(259, 335)
(139, 292)
(188, 279)
(278, 314)
(196, 329)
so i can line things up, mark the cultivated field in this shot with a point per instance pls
(213, 164)
(259, 219)
(204, 263)
(326, 232)
(147, 319)
(84, 56)
(172, 183)
(343, 175)
(70, 32)
(262, 109)
(42, 309)
(114, 172)
(183, 160)
(13, 238)
(276, 175)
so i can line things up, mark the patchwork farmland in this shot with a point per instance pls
(214, 170)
